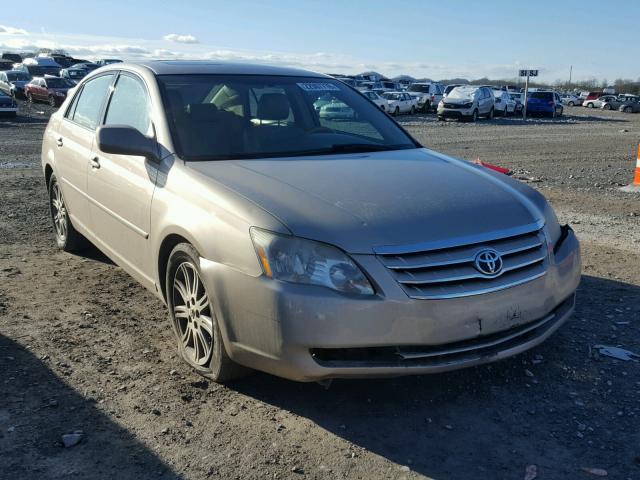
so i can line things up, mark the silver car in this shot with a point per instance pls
(467, 102)
(295, 244)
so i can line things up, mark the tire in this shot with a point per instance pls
(589, 105)
(427, 107)
(571, 104)
(52, 101)
(627, 110)
(193, 318)
(504, 112)
(440, 119)
(29, 97)
(491, 114)
(413, 110)
(606, 106)
(561, 112)
(396, 112)
(67, 238)
(474, 115)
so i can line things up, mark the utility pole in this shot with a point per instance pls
(570, 73)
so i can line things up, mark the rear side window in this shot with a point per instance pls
(129, 105)
(88, 105)
(542, 95)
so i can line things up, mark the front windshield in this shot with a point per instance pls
(419, 88)
(462, 92)
(216, 117)
(17, 77)
(58, 83)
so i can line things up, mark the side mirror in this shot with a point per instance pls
(125, 140)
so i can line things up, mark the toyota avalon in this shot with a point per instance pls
(305, 245)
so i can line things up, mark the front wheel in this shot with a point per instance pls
(571, 104)
(413, 110)
(67, 238)
(474, 115)
(491, 114)
(589, 105)
(52, 100)
(194, 320)
(627, 110)
(396, 112)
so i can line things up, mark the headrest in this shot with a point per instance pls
(202, 112)
(273, 106)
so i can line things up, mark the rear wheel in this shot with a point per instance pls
(396, 112)
(474, 115)
(606, 106)
(589, 105)
(52, 100)
(491, 114)
(627, 110)
(571, 104)
(413, 110)
(194, 320)
(504, 112)
(67, 238)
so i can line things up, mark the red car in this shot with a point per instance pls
(52, 90)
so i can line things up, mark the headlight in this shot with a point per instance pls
(551, 225)
(468, 105)
(297, 260)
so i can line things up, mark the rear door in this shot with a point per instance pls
(74, 140)
(120, 187)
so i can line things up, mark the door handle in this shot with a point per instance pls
(59, 142)
(95, 163)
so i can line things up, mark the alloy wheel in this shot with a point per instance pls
(59, 212)
(192, 314)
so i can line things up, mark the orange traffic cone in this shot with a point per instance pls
(635, 185)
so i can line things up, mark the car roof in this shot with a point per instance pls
(195, 67)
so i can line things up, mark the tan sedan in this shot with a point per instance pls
(304, 245)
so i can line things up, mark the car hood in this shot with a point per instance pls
(362, 201)
(459, 100)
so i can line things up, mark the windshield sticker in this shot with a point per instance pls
(318, 87)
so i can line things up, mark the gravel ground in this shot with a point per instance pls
(85, 350)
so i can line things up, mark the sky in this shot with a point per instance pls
(423, 38)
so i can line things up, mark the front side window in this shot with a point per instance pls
(88, 106)
(129, 105)
(217, 117)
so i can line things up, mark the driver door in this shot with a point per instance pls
(120, 187)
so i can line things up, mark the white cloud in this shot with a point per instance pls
(12, 30)
(174, 37)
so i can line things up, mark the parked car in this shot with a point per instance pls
(74, 74)
(52, 90)
(38, 66)
(12, 82)
(107, 61)
(544, 102)
(427, 94)
(303, 248)
(8, 106)
(377, 99)
(448, 89)
(400, 102)
(87, 66)
(504, 104)
(598, 102)
(571, 100)
(387, 86)
(518, 98)
(6, 65)
(590, 97)
(630, 106)
(12, 57)
(467, 102)
(336, 110)
(616, 102)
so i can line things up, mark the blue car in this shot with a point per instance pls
(546, 103)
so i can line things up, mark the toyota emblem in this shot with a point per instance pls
(488, 262)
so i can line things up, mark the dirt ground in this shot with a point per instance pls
(84, 348)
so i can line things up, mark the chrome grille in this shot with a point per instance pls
(449, 272)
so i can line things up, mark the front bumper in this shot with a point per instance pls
(309, 333)
(455, 112)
